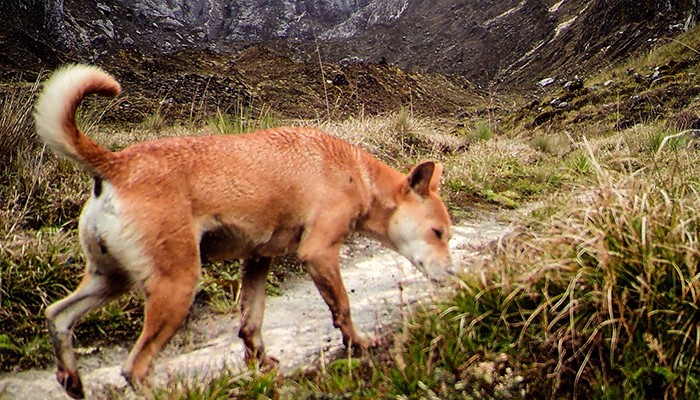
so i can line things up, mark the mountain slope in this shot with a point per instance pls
(488, 42)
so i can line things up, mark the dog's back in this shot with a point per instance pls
(257, 190)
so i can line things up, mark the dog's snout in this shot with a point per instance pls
(451, 269)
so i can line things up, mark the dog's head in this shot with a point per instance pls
(420, 227)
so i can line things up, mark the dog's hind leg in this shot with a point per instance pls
(94, 290)
(169, 291)
(255, 271)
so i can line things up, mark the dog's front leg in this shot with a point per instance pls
(253, 284)
(323, 265)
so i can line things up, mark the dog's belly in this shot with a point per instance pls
(230, 242)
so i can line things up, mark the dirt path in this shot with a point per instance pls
(297, 328)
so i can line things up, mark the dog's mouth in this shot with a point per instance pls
(438, 275)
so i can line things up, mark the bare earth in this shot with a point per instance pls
(297, 330)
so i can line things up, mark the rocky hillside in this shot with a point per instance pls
(512, 41)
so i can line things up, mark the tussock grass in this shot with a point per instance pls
(556, 145)
(482, 131)
(16, 123)
(229, 385)
(241, 119)
(155, 122)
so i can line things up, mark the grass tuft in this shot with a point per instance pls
(229, 384)
(16, 122)
(241, 119)
(555, 145)
(482, 131)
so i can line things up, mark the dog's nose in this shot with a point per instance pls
(452, 269)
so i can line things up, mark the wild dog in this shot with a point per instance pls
(157, 208)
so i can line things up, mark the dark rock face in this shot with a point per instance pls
(605, 32)
(489, 42)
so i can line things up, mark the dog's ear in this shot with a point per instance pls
(425, 178)
(435, 180)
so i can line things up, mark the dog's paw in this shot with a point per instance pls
(364, 342)
(375, 341)
(70, 381)
(268, 363)
(263, 364)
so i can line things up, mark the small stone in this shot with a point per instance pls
(104, 8)
(545, 82)
(340, 80)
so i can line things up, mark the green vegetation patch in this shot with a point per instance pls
(34, 271)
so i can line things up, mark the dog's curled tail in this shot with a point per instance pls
(55, 109)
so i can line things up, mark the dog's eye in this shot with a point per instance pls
(438, 232)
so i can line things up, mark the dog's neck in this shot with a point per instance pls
(383, 185)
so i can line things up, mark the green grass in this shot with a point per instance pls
(555, 145)
(507, 172)
(613, 279)
(229, 384)
(482, 131)
(240, 119)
